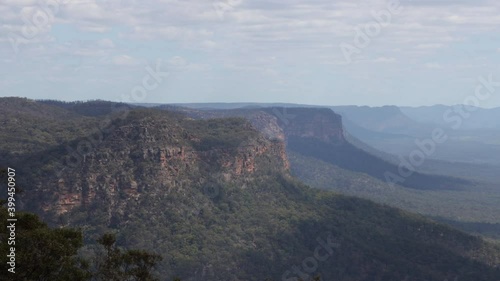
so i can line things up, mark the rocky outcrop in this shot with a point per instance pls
(278, 123)
(155, 155)
(319, 123)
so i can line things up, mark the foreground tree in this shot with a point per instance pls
(31, 250)
(117, 264)
(41, 253)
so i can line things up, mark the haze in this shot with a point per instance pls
(418, 53)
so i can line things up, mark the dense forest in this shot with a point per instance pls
(165, 195)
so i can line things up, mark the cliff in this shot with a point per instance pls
(214, 198)
(317, 123)
(156, 153)
(282, 123)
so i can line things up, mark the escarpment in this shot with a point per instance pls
(156, 154)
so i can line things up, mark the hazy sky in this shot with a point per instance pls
(418, 52)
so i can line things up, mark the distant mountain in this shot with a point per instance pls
(331, 158)
(318, 132)
(386, 119)
(390, 130)
(394, 130)
(232, 105)
(345, 155)
(472, 171)
(472, 118)
(216, 200)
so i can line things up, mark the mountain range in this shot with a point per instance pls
(219, 192)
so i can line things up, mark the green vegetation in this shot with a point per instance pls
(474, 210)
(90, 108)
(273, 224)
(43, 253)
(210, 222)
(349, 157)
(31, 127)
(219, 133)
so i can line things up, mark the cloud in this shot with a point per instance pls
(433, 65)
(105, 43)
(300, 35)
(209, 44)
(274, 25)
(384, 60)
(430, 46)
(125, 60)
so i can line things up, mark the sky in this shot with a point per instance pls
(323, 52)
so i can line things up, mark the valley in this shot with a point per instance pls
(224, 195)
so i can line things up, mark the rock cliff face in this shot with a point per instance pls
(156, 155)
(281, 123)
(214, 199)
(317, 123)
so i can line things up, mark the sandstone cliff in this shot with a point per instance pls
(155, 154)
(317, 123)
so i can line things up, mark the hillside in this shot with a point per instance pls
(471, 138)
(386, 119)
(216, 200)
(480, 118)
(477, 205)
(319, 133)
(324, 155)
(89, 108)
(29, 126)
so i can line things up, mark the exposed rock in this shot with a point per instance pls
(155, 155)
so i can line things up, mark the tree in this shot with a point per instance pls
(117, 264)
(41, 253)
